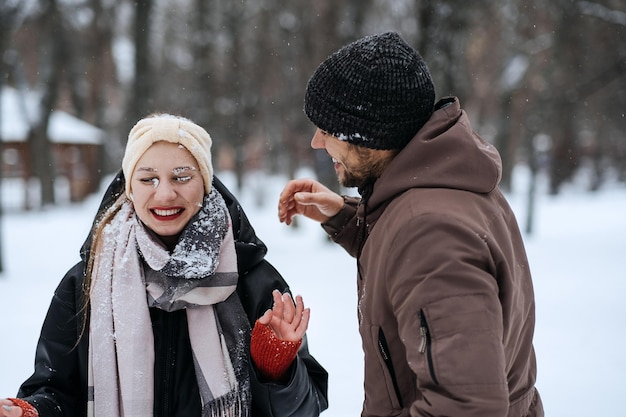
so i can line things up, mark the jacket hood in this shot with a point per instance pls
(445, 153)
(250, 249)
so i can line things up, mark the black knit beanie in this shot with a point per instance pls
(375, 92)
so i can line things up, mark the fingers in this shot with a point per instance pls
(301, 319)
(288, 320)
(278, 305)
(8, 409)
(295, 186)
(288, 201)
(299, 310)
(289, 309)
(284, 308)
(287, 209)
(304, 323)
(266, 318)
(295, 317)
(318, 205)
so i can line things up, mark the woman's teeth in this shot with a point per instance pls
(164, 213)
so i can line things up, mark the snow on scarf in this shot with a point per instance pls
(132, 272)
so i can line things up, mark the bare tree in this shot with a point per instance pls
(54, 55)
(8, 14)
(141, 99)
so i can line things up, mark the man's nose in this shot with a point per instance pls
(318, 141)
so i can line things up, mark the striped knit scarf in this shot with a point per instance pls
(132, 272)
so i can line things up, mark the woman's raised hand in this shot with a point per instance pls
(287, 320)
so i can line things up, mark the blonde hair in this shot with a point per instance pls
(96, 244)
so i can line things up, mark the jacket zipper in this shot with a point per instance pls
(362, 239)
(425, 346)
(384, 349)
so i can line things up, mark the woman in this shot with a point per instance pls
(155, 319)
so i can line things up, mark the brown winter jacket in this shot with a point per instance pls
(446, 306)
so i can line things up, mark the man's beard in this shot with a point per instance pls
(366, 167)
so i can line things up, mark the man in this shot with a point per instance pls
(446, 304)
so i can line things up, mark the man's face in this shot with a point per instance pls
(354, 165)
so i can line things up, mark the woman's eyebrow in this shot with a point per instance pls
(178, 170)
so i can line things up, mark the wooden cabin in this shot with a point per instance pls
(76, 146)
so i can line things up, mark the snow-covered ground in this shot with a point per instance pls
(577, 255)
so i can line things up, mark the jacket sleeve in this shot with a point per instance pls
(444, 294)
(344, 228)
(303, 396)
(306, 393)
(57, 386)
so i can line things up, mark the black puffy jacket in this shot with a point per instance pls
(58, 386)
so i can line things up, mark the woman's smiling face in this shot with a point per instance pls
(166, 189)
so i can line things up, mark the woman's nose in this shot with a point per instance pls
(164, 191)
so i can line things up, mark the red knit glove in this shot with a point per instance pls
(271, 355)
(27, 409)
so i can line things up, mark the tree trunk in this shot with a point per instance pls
(142, 89)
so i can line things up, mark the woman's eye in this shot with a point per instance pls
(147, 180)
(183, 179)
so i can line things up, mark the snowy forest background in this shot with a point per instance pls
(544, 81)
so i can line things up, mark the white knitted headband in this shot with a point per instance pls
(168, 128)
